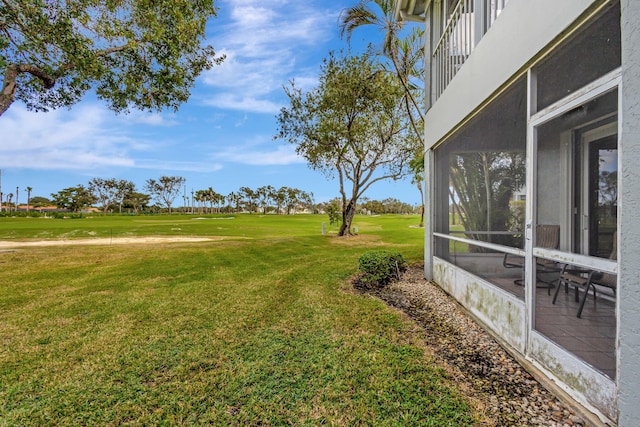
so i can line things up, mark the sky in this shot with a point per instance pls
(223, 137)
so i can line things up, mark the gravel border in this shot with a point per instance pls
(503, 392)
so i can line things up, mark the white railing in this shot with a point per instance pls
(464, 28)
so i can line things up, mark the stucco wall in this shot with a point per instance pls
(499, 310)
(629, 220)
(583, 383)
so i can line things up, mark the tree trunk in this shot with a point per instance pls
(419, 185)
(348, 212)
(487, 185)
(7, 95)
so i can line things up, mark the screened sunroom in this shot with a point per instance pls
(481, 208)
(523, 151)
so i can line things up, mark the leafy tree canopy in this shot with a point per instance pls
(352, 125)
(39, 201)
(109, 192)
(73, 198)
(142, 54)
(165, 189)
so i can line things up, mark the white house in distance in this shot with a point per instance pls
(540, 98)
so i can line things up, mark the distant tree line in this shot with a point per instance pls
(386, 206)
(160, 195)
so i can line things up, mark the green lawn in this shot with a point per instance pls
(257, 329)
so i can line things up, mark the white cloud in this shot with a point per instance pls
(85, 140)
(257, 155)
(60, 140)
(306, 82)
(232, 101)
(151, 119)
(178, 166)
(266, 44)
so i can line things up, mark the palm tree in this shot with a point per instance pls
(200, 198)
(234, 199)
(210, 198)
(9, 197)
(29, 189)
(405, 56)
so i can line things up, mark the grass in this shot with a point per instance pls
(257, 329)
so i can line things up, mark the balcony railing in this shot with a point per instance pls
(465, 26)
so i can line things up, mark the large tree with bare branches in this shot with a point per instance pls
(402, 52)
(142, 54)
(352, 126)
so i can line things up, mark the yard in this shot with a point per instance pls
(255, 326)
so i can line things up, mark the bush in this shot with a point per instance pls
(379, 268)
(335, 215)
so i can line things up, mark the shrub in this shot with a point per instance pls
(335, 215)
(379, 268)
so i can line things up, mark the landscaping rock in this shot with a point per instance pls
(506, 393)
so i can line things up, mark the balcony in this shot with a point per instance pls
(464, 25)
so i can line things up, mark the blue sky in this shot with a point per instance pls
(221, 138)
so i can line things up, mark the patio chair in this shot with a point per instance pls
(547, 236)
(587, 279)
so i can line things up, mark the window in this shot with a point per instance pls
(480, 174)
(592, 53)
(575, 136)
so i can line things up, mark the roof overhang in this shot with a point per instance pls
(411, 10)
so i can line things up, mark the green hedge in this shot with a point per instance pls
(381, 267)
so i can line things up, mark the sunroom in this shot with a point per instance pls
(523, 148)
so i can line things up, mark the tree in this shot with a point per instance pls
(306, 200)
(200, 197)
(73, 198)
(265, 194)
(291, 198)
(213, 198)
(608, 188)
(333, 210)
(218, 200)
(123, 188)
(234, 200)
(39, 202)
(29, 190)
(373, 206)
(404, 54)
(405, 57)
(279, 198)
(136, 201)
(165, 189)
(481, 187)
(352, 125)
(104, 191)
(135, 54)
(249, 196)
(417, 170)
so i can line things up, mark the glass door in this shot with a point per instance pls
(596, 192)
